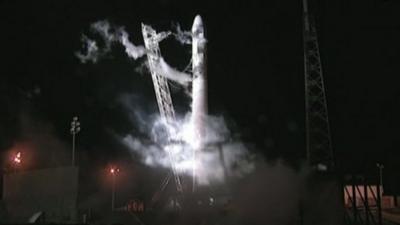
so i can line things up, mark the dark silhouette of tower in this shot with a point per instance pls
(318, 137)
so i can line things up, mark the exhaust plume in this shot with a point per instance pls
(223, 157)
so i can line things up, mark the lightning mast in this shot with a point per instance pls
(318, 137)
(161, 88)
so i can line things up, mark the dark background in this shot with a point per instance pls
(255, 64)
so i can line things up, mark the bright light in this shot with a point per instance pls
(114, 170)
(17, 158)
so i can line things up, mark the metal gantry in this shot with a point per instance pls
(318, 137)
(363, 200)
(161, 88)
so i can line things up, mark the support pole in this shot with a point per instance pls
(113, 193)
(73, 149)
(379, 204)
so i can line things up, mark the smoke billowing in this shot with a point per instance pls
(113, 34)
(92, 51)
(167, 71)
(223, 156)
(109, 35)
(184, 37)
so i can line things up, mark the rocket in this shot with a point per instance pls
(199, 94)
(199, 83)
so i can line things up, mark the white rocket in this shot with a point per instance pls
(199, 83)
(199, 94)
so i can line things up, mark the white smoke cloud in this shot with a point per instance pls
(184, 37)
(132, 50)
(151, 154)
(111, 34)
(92, 51)
(221, 159)
(167, 71)
(104, 29)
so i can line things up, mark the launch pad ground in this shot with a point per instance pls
(391, 215)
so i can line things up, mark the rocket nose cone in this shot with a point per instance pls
(197, 23)
(198, 20)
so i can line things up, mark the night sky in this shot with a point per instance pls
(255, 67)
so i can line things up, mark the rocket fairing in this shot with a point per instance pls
(199, 83)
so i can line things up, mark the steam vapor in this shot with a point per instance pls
(166, 70)
(111, 34)
(184, 37)
(224, 157)
(92, 51)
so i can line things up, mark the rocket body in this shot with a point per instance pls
(199, 84)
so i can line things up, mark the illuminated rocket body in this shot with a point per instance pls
(199, 84)
(199, 95)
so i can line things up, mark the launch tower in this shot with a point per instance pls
(318, 136)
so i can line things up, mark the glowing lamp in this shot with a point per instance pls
(17, 158)
(114, 170)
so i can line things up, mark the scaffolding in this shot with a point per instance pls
(163, 95)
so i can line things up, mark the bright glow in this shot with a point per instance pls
(221, 156)
(17, 158)
(114, 170)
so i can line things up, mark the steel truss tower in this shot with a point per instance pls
(161, 88)
(163, 96)
(318, 137)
